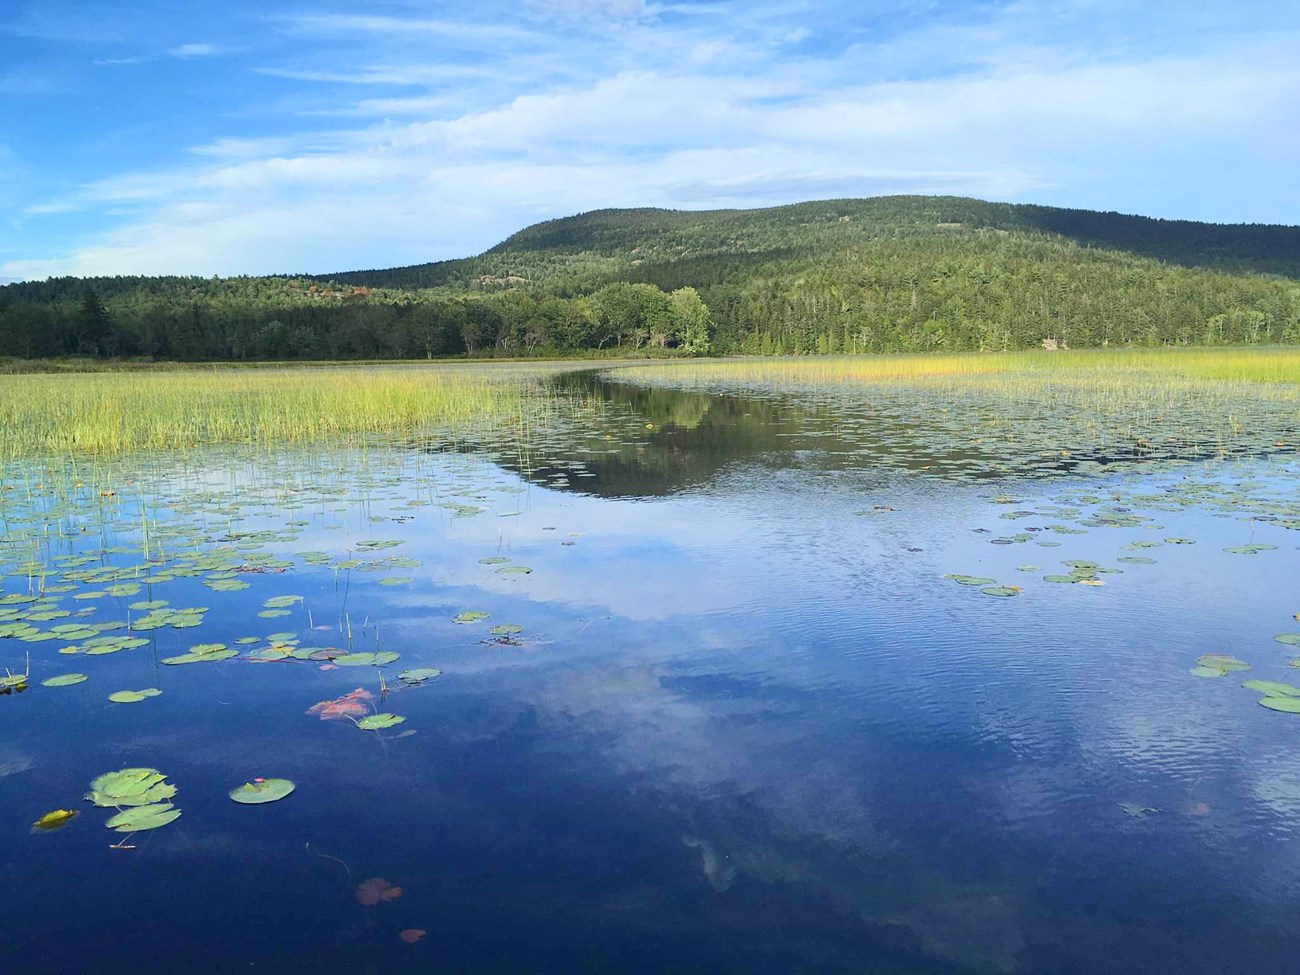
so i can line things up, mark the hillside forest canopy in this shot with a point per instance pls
(887, 274)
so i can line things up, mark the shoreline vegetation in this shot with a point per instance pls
(123, 411)
(119, 410)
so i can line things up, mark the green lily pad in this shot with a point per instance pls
(506, 629)
(1221, 661)
(493, 560)
(75, 632)
(380, 659)
(395, 581)
(64, 680)
(133, 697)
(377, 722)
(419, 675)
(209, 657)
(130, 787)
(1201, 671)
(470, 616)
(1288, 704)
(1270, 688)
(141, 818)
(270, 654)
(261, 791)
(1292, 639)
(281, 602)
(514, 570)
(1003, 591)
(227, 585)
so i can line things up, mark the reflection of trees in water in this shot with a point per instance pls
(646, 440)
(642, 440)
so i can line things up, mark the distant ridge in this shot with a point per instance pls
(1260, 248)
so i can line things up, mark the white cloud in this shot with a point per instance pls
(589, 10)
(685, 116)
(185, 51)
(118, 62)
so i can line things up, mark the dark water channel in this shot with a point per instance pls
(747, 726)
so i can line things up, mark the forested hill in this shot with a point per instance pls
(903, 273)
(627, 237)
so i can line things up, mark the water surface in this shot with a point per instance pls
(748, 724)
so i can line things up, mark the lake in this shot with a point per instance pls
(730, 679)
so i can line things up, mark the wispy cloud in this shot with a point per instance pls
(409, 27)
(119, 62)
(482, 121)
(186, 51)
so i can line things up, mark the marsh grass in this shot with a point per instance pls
(126, 411)
(1270, 364)
(1101, 403)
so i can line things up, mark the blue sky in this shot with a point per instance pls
(243, 138)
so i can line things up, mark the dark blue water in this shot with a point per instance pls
(748, 726)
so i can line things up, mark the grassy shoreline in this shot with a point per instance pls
(1237, 363)
(125, 411)
(122, 410)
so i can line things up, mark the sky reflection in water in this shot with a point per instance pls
(749, 725)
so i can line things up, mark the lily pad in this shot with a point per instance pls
(379, 659)
(141, 818)
(1292, 639)
(269, 654)
(419, 675)
(64, 680)
(200, 658)
(506, 629)
(130, 787)
(470, 616)
(133, 697)
(1288, 704)
(1221, 661)
(1271, 688)
(377, 722)
(261, 791)
(1003, 591)
(514, 570)
(227, 585)
(970, 580)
